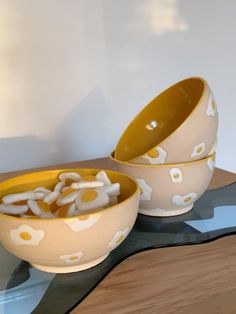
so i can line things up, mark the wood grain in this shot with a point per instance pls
(222, 178)
(222, 303)
(187, 279)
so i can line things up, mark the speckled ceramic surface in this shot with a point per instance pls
(179, 125)
(68, 244)
(170, 189)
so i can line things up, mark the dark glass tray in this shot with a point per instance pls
(23, 289)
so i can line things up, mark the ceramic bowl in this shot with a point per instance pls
(64, 245)
(179, 125)
(170, 189)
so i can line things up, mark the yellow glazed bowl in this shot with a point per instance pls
(170, 189)
(179, 125)
(64, 245)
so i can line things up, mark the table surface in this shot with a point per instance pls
(182, 280)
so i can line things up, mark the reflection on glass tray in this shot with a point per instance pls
(224, 217)
(24, 289)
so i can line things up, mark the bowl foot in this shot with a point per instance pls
(69, 269)
(158, 212)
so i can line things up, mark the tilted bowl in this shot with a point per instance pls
(179, 125)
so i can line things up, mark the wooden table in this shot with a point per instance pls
(182, 280)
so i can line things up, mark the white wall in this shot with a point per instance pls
(73, 73)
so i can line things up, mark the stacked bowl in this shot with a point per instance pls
(169, 148)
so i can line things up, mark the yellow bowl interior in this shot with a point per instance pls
(161, 117)
(48, 179)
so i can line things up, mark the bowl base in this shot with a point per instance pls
(70, 269)
(158, 212)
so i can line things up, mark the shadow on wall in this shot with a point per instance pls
(24, 152)
(81, 135)
(84, 134)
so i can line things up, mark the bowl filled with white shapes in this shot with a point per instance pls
(169, 189)
(53, 218)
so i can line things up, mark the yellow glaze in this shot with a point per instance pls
(48, 179)
(160, 118)
(189, 163)
(89, 196)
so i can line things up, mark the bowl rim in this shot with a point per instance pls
(205, 88)
(136, 192)
(187, 163)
